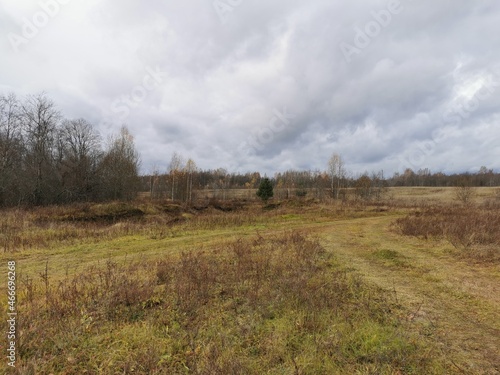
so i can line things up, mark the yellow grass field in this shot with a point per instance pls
(408, 284)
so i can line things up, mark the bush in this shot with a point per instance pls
(466, 228)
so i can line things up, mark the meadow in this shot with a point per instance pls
(404, 284)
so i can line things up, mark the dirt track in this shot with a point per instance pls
(453, 302)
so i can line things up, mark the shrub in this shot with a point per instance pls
(466, 228)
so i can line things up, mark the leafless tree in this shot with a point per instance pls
(336, 172)
(120, 167)
(154, 183)
(190, 169)
(11, 148)
(175, 168)
(79, 149)
(39, 118)
(221, 182)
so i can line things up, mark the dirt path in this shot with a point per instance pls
(454, 303)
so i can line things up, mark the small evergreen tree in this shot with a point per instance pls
(265, 189)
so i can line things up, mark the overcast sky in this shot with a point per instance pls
(252, 85)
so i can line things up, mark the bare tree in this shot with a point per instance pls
(336, 172)
(79, 149)
(154, 183)
(11, 148)
(44, 161)
(120, 167)
(175, 167)
(378, 184)
(190, 169)
(221, 182)
(39, 121)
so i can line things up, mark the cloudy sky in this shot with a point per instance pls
(251, 85)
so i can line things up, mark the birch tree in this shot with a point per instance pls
(336, 172)
(174, 168)
(120, 167)
(190, 169)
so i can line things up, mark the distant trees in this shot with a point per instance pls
(47, 159)
(192, 183)
(363, 187)
(178, 183)
(424, 177)
(311, 183)
(366, 187)
(485, 177)
(221, 183)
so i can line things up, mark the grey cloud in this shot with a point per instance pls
(222, 81)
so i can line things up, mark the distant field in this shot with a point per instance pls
(407, 194)
(441, 194)
(408, 284)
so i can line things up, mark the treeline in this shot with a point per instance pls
(48, 159)
(424, 177)
(183, 181)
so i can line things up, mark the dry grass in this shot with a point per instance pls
(450, 299)
(471, 229)
(53, 226)
(266, 305)
(205, 293)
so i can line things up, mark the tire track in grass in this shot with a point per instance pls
(454, 303)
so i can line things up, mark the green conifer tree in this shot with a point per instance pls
(265, 189)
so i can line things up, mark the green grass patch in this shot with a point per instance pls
(386, 254)
(390, 258)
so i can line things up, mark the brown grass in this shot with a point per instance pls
(263, 305)
(472, 229)
(192, 299)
